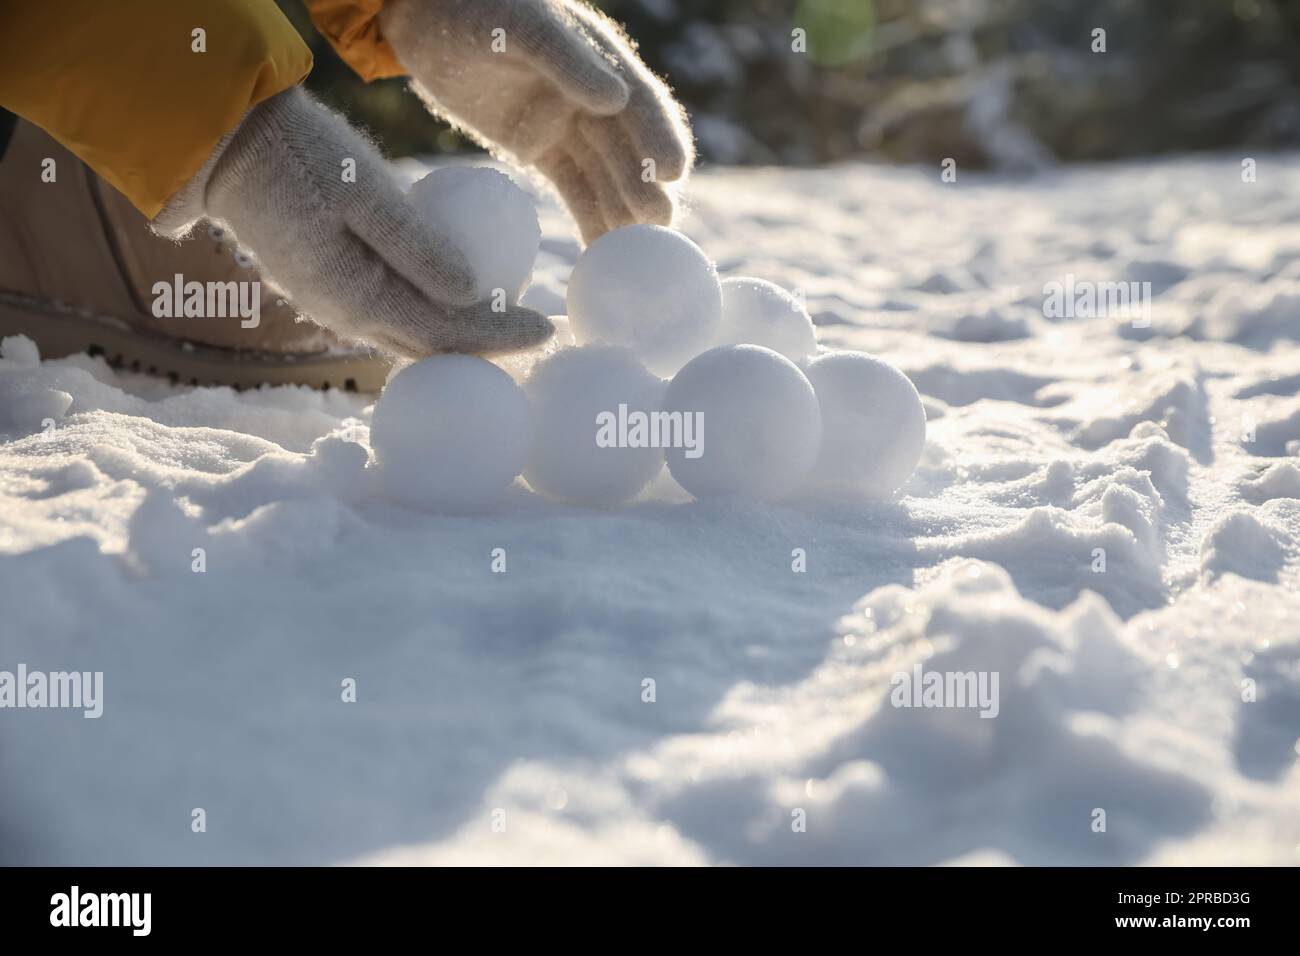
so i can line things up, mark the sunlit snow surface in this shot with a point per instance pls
(500, 717)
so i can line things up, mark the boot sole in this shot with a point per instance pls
(59, 331)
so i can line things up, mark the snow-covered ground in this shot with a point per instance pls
(501, 717)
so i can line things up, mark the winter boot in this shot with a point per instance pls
(80, 271)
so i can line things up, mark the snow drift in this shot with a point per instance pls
(1105, 516)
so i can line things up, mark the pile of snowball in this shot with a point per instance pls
(725, 373)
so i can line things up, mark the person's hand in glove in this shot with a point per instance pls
(353, 254)
(566, 94)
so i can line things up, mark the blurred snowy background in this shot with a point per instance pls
(987, 82)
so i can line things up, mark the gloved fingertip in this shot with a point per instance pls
(455, 283)
(601, 91)
(532, 328)
(675, 157)
(674, 167)
(520, 329)
(458, 284)
(654, 206)
(665, 134)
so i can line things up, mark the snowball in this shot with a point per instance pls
(648, 288)
(873, 424)
(579, 451)
(450, 433)
(490, 219)
(760, 424)
(758, 312)
(31, 406)
(20, 350)
(338, 463)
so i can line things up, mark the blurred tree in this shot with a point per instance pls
(988, 82)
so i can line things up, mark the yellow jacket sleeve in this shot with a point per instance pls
(142, 90)
(352, 27)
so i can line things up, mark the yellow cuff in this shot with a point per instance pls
(352, 27)
(135, 90)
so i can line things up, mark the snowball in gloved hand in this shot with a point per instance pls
(490, 219)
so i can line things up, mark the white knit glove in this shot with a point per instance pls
(352, 253)
(567, 95)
